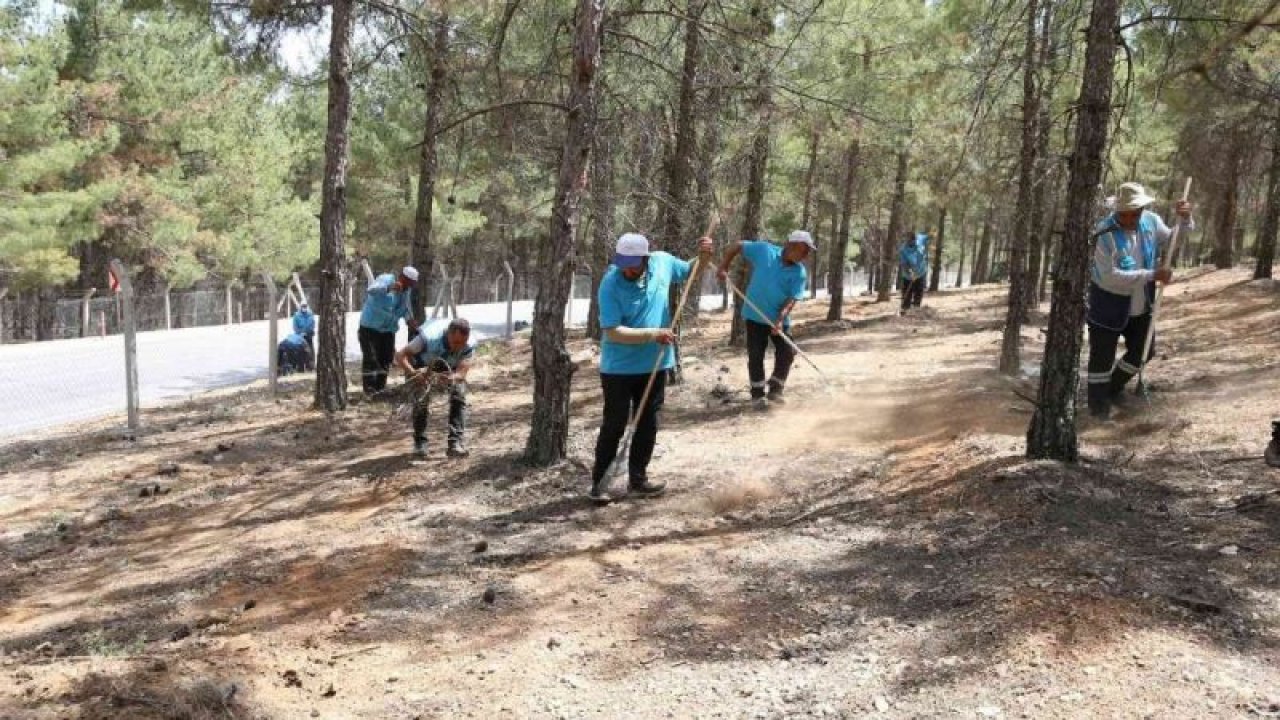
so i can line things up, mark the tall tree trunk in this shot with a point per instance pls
(1223, 252)
(1016, 312)
(1271, 215)
(602, 210)
(677, 237)
(552, 367)
(895, 226)
(964, 243)
(840, 243)
(1039, 195)
(675, 233)
(807, 208)
(1052, 433)
(331, 371)
(936, 281)
(982, 261)
(754, 206)
(420, 254)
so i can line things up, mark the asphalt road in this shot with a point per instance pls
(46, 384)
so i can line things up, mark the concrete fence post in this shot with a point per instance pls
(125, 296)
(511, 292)
(168, 306)
(273, 330)
(84, 312)
(4, 317)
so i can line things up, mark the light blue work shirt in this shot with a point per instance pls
(644, 303)
(383, 307)
(773, 282)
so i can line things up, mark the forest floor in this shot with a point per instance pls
(878, 547)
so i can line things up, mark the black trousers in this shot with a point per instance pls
(457, 415)
(912, 292)
(621, 398)
(377, 350)
(758, 338)
(294, 360)
(1107, 377)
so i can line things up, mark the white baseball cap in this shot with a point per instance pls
(631, 251)
(802, 236)
(410, 272)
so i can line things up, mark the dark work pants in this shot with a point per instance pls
(1107, 377)
(758, 337)
(377, 350)
(912, 293)
(293, 360)
(457, 415)
(621, 398)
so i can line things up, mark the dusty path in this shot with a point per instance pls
(875, 548)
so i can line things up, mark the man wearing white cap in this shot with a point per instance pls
(385, 302)
(635, 317)
(778, 280)
(1122, 288)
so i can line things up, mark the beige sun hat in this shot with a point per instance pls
(1132, 196)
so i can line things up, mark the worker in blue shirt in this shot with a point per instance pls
(913, 269)
(385, 302)
(1122, 287)
(441, 355)
(778, 280)
(304, 323)
(635, 318)
(293, 355)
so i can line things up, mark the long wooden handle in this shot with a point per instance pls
(1177, 226)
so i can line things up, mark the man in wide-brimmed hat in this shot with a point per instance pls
(1124, 275)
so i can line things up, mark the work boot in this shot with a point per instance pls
(419, 447)
(760, 403)
(1100, 401)
(599, 493)
(1273, 448)
(644, 487)
(775, 396)
(457, 449)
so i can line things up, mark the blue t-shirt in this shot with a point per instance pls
(429, 344)
(293, 340)
(644, 303)
(913, 258)
(383, 307)
(773, 282)
(304, 321)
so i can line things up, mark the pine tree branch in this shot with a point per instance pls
(455, 122)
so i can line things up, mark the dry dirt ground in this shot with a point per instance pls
(876, 548)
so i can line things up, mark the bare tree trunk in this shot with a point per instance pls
(982, 262)
(964, 242)
(552, 367)
(420, 254)
(840, 243)
(754, 206)
(936, 281)
(1223, 253)
(806, 212)
(1016, 312)
(895, 226)
(331, 371)
(602, 211)
(1271, 215)
(1039, 194)
(675, 234)
(1052, 433)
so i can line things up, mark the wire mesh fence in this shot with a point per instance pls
(196, 340)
